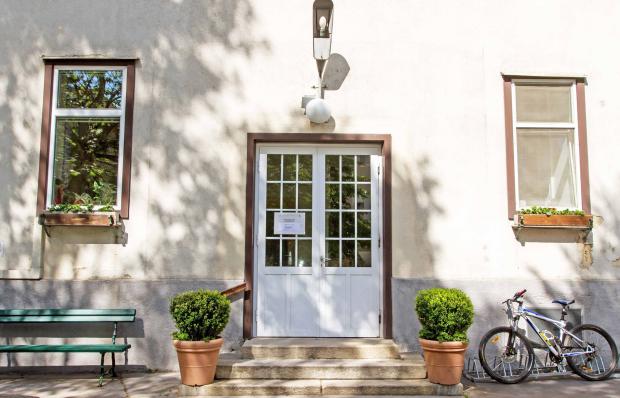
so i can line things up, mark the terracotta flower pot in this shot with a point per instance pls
(444, 361)
(197, 360)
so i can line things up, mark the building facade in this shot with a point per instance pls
(453, 116)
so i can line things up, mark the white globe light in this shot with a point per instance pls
(318, 111)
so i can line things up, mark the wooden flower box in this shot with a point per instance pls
(555, 220)
(103, 219)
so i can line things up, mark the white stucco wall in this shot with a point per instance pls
(428, 73)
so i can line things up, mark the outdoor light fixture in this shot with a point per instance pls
(317, 109)
(322, 21)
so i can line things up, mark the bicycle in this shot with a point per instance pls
(508, 357)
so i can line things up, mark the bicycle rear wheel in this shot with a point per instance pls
(505, 355)
(600, 352)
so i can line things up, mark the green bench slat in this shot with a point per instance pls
(61, 319)
(60, 315)
(66, 348)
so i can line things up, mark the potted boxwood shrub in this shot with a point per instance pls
(200, 316)
(445, 315)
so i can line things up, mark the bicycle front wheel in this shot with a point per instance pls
(506, 355)
(592, 353)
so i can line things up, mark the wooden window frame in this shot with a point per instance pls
(582, 144)
(46, 127)
(385, 142)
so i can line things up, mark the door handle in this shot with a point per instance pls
(324, 260)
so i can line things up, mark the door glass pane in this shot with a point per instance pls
(547, 168)
(272, 253)
(308, 225)
(332, 168)
(269, 223)
(92, 89)
(332, 196)
(304, 198)
(273, 196)
(363, 168)
(347, 168)
(363, 197)
(332, 224)
(304, 253)
(363, 225)
(290, 168)
(305, 168)
(348, 225)
(348, 196)
(273, 167)
(540, 103)
(363, 253)
(333, 253)
(288, 196)
(288, 252)
(348, 253)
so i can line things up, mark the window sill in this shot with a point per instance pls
(582, 225)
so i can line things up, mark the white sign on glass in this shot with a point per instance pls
(289, 224)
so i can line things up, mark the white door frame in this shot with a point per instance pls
(318, 216)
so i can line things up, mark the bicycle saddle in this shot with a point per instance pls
(563, 302)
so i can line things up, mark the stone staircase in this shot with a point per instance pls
(319, 367)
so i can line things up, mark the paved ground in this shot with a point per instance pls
(150, 385)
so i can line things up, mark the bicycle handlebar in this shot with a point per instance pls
(519, 294)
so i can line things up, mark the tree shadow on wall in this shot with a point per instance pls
(188, 150)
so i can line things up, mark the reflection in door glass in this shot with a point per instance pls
(348, 198)
(289, 189)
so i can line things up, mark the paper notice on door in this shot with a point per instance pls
(289, 224)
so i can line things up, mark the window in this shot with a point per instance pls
(86, 135)
(546, 144)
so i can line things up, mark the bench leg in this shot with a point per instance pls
(102, 370)
(113, 366)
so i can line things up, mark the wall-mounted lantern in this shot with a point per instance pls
(322, 24)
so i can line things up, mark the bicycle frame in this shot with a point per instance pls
(527, 313)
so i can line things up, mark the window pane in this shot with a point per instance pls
(363, 197)
(332, 168)
(348, 253)
(272, 253)
(288, 252)
(86, 161)
(347, 168)
(348, 196)
(273, 196)
(333, 253)
(90, 89)
(288, 196)
(273, 167)
(547, 169)
(308, 225)
(290, 167)
(537, 103)
(305, 168)
(363, 168)
(363, 253)
(304, 253)
(270, 223)
(348, 225)
(304, 192)
(363, 225)
(332, 224)
(332, 196)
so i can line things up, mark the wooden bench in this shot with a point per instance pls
(71, 316)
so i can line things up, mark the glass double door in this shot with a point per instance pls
(317, 259)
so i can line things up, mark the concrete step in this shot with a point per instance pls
(254, 387)
(239, 368)
(319, 348)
